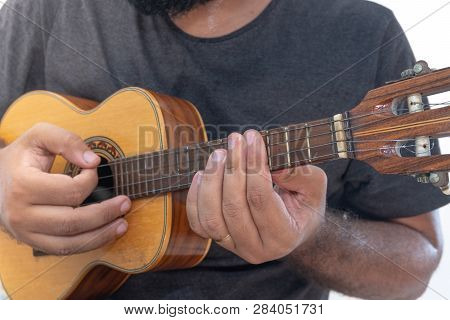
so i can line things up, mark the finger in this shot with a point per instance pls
(268, 210)
(58, 141)
(191, 207)
(79, 243)
(67, 221)
(209, 200)
(236, 211)
(58, 189)
(308, 181)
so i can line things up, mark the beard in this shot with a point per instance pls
(163, 7)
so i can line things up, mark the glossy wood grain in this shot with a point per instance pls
(184, 126)
(376, 128)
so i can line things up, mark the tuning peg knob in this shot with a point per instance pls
(441, 180)
(420, 68)
(446, 190)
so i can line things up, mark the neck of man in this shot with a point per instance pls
(218, 18)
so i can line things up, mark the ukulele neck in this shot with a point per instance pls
(171, 170)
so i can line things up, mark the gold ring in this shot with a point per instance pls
(227, 237)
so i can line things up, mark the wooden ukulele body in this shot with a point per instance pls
(130, 122)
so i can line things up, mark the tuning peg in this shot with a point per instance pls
(441, 180)
(438, 179)
(420, 68)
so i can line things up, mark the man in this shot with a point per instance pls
(241, 62)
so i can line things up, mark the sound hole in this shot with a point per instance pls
(105, 186)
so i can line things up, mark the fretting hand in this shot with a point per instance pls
(233, 202)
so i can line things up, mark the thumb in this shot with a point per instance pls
(58, 141)
(309, 179)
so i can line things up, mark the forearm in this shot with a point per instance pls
(368, 259)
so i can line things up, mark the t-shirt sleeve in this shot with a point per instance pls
(25, 26)
(368, 193)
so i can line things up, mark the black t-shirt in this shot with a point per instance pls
(318, 57)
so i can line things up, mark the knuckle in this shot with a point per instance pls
(232, 209)
(69, 226)
(108, 212)
(39, 127)
(256, 198)
(16, 190)
(76, 196)
(15, 220)
(211, 224)
(70, 139)
(207, 178)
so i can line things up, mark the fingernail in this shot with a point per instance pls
(125, 206)
(218, 156)
(231, 141)
(199, 177)
(251, 137)
(89, 156)
(122, 228)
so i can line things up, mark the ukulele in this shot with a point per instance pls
(151, 145)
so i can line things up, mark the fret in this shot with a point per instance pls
(137, 175)
(159, 171)
(147, 167)
(177, 162)
(299, 145)
(132, 176)
(141, 176)
(311, 143)
(144, 173)
(308, 142)
(152, 172)
(128, 177)
(333, 140)
(193, 162)
(269, 149)
(321, 142)
(201, 157)
(122, 177)
(173, 169)
(288, 150)
(188, 166)
(177, 168)
(168, 176)
(115, 172)
(277, 147)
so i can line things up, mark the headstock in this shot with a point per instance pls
(395, 131)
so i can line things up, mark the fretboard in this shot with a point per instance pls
(171, 170)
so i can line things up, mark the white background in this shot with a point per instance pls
(430, 41)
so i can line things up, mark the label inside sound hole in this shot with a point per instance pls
(102, 146)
